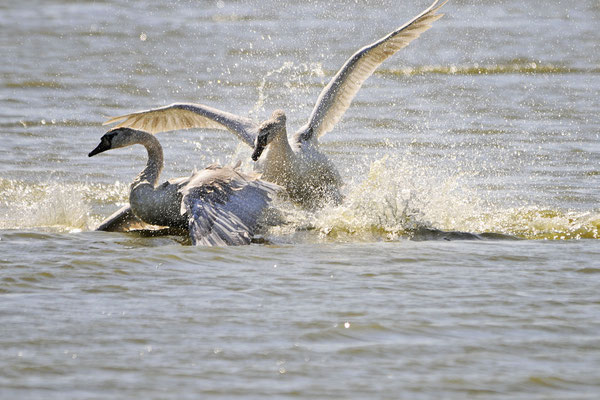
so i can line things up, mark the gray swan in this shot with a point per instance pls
(297, 164)
(218, 205)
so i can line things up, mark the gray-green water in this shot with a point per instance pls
(487, 124)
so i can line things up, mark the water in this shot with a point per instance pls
(462, 264)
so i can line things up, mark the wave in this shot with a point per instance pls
(34, 83)
(517, 66)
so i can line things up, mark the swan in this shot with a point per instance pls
(217, 205)
(296, 163)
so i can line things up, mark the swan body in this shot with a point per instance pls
(295, 163)
(308, 175)
(217, 205)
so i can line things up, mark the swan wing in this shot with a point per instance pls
(123, 220)
(223, 206)
(336, 97)
(185, 116)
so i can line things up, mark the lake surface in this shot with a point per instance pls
(463, 263)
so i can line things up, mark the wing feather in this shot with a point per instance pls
(224, 205)
(123, 220)
(336, 97)
(185, 116)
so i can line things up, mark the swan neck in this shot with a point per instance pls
(281, 143)
(154, 166)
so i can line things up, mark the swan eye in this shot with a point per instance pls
(108, 138)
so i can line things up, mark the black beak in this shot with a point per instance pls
(103, 146)
(259, 147)
(257, 152)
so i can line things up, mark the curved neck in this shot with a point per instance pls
(279, 160)
(280, 145)
(154, 166)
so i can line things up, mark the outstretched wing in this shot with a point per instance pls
(185, 116)
(336, 97)
(223, 206)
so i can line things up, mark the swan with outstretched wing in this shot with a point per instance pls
(296, 163)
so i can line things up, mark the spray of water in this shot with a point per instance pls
(295, 79)
(395, 199)
(55, 206)
(400, 199)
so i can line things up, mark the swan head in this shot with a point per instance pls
(267, 131)
(114, 139)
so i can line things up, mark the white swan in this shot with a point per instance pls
(217, 205)
(296, 163)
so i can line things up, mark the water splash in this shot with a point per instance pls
(396, 199)
(296, 82)
(64, 207)
(399, 199)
